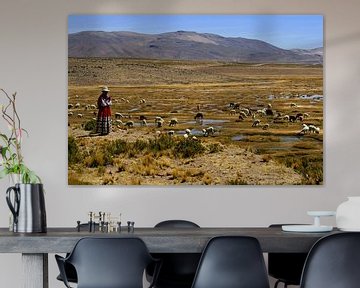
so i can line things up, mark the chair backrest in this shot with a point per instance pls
(110, 262)
(178, 269)
(333, 262)
(176, 224)
(286, 267)
(232, 262)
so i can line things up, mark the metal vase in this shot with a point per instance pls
(27, 204)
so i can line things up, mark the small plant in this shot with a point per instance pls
(215, 148)
(162, 143)
(206, 180)
(309, 167)
(99, 158)
(237, 181)
(73, 151)
(187, 149)
(90, 125)
(117, 147)
(12, 161)
(139, 145)
(73, 179)
(252, 149)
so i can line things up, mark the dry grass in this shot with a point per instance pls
(178, 89)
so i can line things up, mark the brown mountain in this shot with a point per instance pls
(183, 45)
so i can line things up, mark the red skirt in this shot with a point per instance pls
(103, 124)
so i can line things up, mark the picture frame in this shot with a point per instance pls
(195, 100)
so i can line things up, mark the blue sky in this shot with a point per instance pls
(285, 31)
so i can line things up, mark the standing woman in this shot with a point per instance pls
(103, 123)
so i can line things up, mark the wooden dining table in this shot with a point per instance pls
(35, 247)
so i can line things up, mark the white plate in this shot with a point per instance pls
(321, 213)
(306, 228)
(350, 229)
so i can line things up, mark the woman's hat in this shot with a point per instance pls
(105, 89)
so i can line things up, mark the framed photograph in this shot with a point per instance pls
(195, 99)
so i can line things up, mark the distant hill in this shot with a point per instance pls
(316, 52)
(184, 45)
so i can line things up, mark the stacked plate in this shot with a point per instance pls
(316, 227)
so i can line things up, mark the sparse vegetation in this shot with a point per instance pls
(90, 125)
(310, 168)
(237, 181)
(98, 158)
(104, 154)
(215, 148)
(73, 151)
(188, 149)
(141, 155)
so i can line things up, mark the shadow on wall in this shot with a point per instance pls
(343, 39)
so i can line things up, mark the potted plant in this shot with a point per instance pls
(26, 197)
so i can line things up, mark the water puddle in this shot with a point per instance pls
(238, 138)
(312, 97)
(288, 139)
(206, 122)
(285, 139)
(134, 109)
(194, 132)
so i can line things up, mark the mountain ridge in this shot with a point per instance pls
(185, 45)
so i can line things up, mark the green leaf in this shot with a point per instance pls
(4, 173)
(26, 132)
(3, 151)
(5, 138)
(27, 175)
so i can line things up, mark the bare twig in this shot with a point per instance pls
(14, 122)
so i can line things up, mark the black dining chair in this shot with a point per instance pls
(178, 269)
(333, 262)
(286, 267)
(108, 263)
(232, 262)
(69, 269)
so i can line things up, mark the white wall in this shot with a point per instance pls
(33, 62)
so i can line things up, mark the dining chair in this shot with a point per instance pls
(69, 269)
(333, 262)
(108, 263)
(232, 262)
(286, 267)
(178, 269)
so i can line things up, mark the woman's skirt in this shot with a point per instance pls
(103, 123)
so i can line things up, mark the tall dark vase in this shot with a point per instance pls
(27, 204)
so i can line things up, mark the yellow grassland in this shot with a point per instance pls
(180, 89)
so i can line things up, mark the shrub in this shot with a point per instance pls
(237, 181)
(139, 145)
(187, 149)
(90, 125)
(74, 180)
(73, 151)
(117, 147)
(215, 148)
(311, 168)
(252, 149)
(99, 158)
(161, 143)
(206, 180)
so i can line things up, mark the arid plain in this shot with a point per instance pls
(245, 147)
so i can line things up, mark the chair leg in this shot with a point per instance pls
(279, 281)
